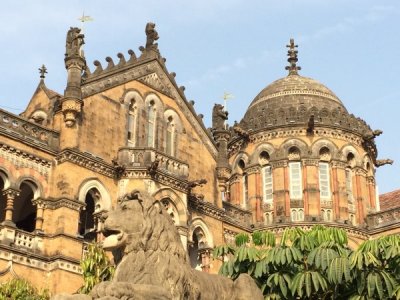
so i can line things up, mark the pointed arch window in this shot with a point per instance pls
(151, 124)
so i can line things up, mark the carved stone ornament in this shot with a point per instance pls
(74, 43)
(152, 244)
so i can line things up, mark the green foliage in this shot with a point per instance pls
(96, 267)
(315, 264)
(20, 289)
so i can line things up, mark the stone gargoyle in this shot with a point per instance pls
(154, 264)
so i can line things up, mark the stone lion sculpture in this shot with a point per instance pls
(154, 264)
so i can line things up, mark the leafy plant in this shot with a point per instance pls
(96, 267)
(20, 289)
(315, 264)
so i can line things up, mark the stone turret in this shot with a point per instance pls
(75, 63)
(72, 103)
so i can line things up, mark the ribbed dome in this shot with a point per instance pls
(290, 95)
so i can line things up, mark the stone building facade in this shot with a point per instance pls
(297, 158)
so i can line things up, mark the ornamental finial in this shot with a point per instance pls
(292, 54)
(43, 72)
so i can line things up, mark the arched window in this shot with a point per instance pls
(151, 124)
(327, 215)
(296, 186)
(132, 123)
(267, 184)
(297, 214)
(268, 218)
(170, 138)
(295, 174)
(24, 214)
(324, 181)
(87, 224)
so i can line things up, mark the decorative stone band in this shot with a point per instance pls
(265, 135)
(38, 262)
(53, 204)
(28, 132)
(252, 170)
(23, 159)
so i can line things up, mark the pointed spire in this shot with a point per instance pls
(292, 54)
(43, 72)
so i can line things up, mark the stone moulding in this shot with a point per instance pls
(206, 208)
(87, 161)
(37, 261)
(61, 202)
(23, 159)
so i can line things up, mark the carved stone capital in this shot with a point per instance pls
(279, 164)
(311, 162)
(11, 193)
(253, 170)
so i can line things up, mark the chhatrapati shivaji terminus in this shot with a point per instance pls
(297, 158)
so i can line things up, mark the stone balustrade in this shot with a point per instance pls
(23, 129)
(326, 203)
(384, 218)
(145, 157)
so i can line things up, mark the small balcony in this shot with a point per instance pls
(145, 157)
(22, 129)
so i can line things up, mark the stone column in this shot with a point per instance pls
(10, 194)
(40, 206)
(222, 136)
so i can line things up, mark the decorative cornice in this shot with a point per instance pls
(290, 130)
(59, 203)
(206, 208)
(87, 161)
(311, 162)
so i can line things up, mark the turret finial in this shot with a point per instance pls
(292, 54)
(43, 71)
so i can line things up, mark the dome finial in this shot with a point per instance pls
(292, 53)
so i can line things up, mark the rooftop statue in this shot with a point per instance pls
(74, 42)
(154, 264)
(219, 116)
(151, 34)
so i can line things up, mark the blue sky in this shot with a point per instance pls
(238, 46)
